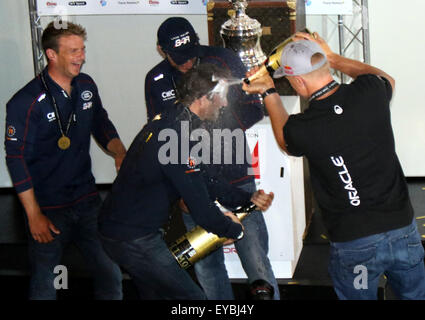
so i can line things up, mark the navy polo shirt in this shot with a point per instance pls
(59, 177)
(154, 174)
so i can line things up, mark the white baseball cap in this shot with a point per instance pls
(296, 59)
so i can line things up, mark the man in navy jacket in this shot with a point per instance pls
(179, 44)
(48, 127)
(151, 179)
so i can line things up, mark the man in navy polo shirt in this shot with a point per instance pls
(358, 181)
(48, 127)
(149, 181)
(179, 44)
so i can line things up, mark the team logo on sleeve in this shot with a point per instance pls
(192, 165)
(10, 133)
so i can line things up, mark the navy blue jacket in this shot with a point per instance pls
(59, 177)
(147, 185)
(242, 112)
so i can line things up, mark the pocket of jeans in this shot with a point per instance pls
(416, 253)
(415, 248)
(350, 259)
(408, 250)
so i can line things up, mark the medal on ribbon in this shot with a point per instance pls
(64, 141)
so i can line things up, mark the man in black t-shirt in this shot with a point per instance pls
(357, 179)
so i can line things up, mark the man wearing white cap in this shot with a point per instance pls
(358, 181)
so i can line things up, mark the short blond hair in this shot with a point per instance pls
(51, 35)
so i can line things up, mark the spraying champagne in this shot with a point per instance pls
(198, 243)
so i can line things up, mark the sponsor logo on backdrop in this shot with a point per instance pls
(255, 162)
(128, 2)
(179, 2)
(229, 250)
(77, 3)
(52, 7)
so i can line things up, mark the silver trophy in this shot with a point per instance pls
(242, 34)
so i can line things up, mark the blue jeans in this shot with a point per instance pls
(153, 269)
(356, 266)
(79, 225)
(252, 250)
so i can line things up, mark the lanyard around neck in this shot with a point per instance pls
(323, 90)
(56, 109)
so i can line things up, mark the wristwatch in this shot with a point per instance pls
(268, 91)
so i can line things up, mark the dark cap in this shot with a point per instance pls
(177, 38)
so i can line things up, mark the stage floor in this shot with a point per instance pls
(310, 281)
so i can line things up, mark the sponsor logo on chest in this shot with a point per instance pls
(51, 116)
(86, 95)
(168, 95)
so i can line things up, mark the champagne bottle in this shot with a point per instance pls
(198, 243)
(272, 62)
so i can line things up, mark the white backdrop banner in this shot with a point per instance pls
(285, 219)
(329, 7)
(101, 7)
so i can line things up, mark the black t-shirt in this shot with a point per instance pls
(356, 175)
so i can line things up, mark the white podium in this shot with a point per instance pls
(285, 219)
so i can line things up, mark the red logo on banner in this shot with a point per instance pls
(229, 250)
(256, 162)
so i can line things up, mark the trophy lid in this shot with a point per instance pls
(240, 24)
